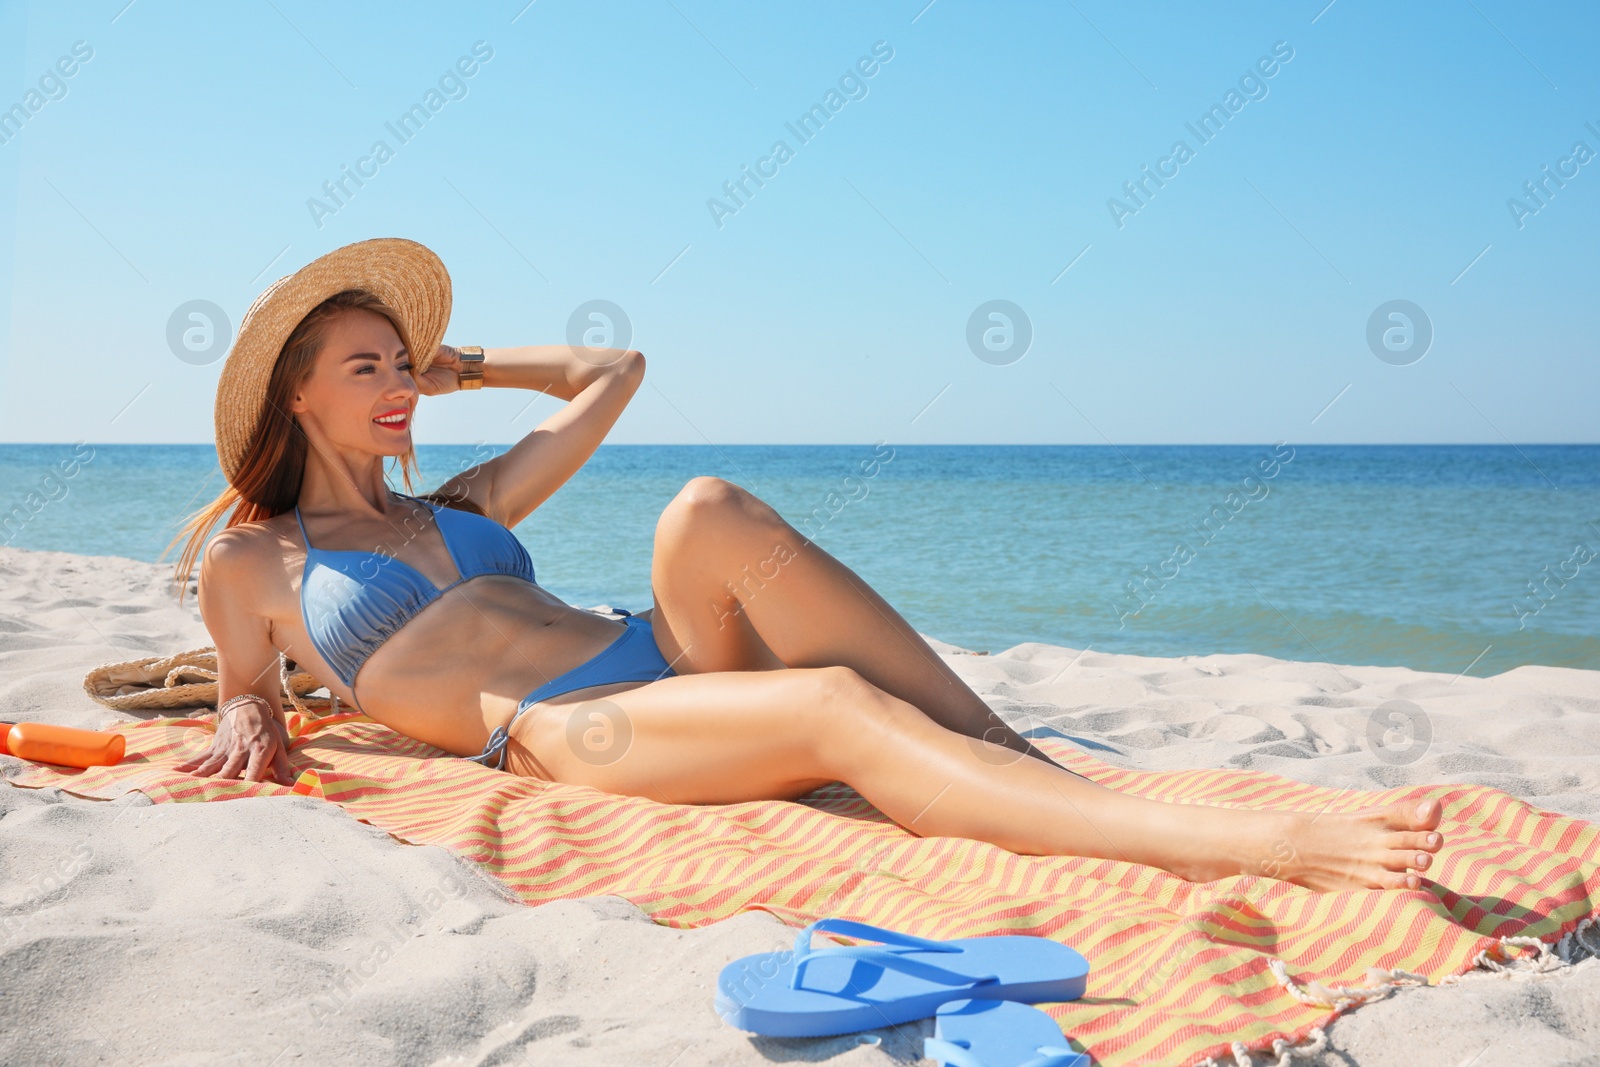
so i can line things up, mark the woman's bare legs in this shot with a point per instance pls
(730, 737)
(737, 588)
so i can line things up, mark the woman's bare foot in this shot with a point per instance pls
(1382, 847)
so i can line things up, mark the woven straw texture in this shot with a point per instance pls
(183, 680)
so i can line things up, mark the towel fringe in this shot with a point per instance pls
(1576, 946)
(1380, 983)
(1316, 1041)
(1495, 962)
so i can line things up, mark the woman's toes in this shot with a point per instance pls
(1413, 815)
(1403, 859)
(1427, 841)
(1390, 880)
(1428, 813)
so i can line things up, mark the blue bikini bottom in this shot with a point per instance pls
(632, 657)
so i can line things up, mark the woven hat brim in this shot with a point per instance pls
(405, 275)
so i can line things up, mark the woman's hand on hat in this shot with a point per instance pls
(251, 744)
(443, 374)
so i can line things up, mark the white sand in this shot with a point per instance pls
(218, 933)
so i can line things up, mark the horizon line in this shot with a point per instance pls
(905, 444)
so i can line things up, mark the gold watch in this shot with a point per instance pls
(471, 373)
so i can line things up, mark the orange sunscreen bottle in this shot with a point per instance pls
(5, 728)
(65, 745)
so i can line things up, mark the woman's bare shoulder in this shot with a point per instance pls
(249, 557)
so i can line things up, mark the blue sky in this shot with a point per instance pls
(975, 164)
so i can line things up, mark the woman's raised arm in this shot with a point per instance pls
(597, 382)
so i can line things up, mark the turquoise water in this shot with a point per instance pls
(1418, 556)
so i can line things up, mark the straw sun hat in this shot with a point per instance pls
(403, 274)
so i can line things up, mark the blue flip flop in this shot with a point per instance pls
(997, 1033)
(840, 989)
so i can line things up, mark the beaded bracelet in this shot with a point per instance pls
(243, 698)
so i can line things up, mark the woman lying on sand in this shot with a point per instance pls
(765, 669)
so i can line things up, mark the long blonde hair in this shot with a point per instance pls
(268, 480)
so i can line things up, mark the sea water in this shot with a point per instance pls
(1447, 558)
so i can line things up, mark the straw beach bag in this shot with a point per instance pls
(189, 680)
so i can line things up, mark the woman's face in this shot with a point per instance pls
(360, 395)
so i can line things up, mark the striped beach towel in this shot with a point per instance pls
(1181, 971)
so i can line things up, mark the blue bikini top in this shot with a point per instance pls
(354, 601)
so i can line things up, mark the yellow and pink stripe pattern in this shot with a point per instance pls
(1180, 970)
